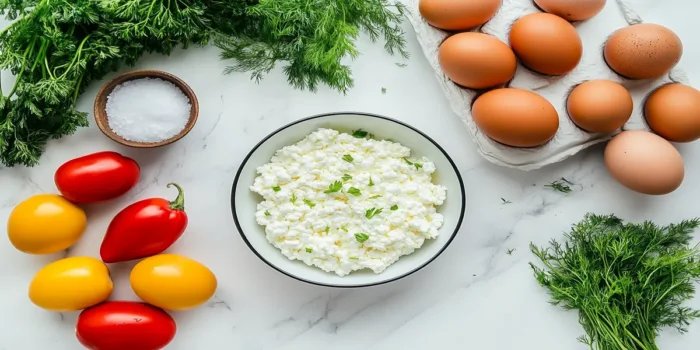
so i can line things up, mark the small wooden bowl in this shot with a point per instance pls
(101, 105)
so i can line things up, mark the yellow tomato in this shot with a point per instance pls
(172, 282)
(71, 284)
(45, 224)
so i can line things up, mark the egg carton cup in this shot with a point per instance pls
(569, 139)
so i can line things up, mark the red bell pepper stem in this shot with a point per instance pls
(179, 202)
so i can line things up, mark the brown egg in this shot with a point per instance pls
(572, 10)
(458, 14)
(644, 162)
(515, 117)
(673, 112)
(599, 106)
(546, 43)
(476, 60)
(643, 51)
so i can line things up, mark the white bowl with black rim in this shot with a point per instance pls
(244, 201)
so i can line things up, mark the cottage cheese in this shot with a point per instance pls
(344, 203)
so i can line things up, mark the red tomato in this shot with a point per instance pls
(145, 228)
(96, 177)
(122, 325)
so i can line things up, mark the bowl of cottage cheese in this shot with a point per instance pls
(348, 200)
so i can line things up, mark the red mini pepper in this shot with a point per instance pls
(145, 228)
(122, 325)
(96, 177)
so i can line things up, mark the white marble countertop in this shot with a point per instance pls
(474, 295)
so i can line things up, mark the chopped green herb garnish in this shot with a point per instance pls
(359, 133)
(384, 90)
(354, 191)
(309, 203)
(401, 64)
(348, 158)
(327, 229)
(371, 183)
(417, 165)
(294, 198)
(334, 187)
(361, 237)
(370, 213)
(344, 228)
(347, 177)
(353, 258)
(561, 186)
(276, 189)
(375, 197)
(505, 201)
(267, 213)
(394, 207)
(309, 250)
(510, 251)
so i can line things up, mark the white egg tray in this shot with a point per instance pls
(569, 139)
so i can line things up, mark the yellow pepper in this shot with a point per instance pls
(71, 284)
(45, 224)
(172, 282)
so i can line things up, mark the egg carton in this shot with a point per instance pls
(569, 139)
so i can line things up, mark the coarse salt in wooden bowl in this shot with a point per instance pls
(100, 111)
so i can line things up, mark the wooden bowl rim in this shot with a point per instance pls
(100, 112)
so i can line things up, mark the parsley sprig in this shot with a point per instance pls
(370, 213)
(361, 237)
(359, 133)
(334, 187)
(354, 191)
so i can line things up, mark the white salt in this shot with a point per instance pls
(147, 110)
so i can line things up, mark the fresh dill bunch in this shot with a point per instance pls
(311, 37)
(156, 25)
(627, 281)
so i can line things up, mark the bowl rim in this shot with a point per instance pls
(426, 263)
(100, 112)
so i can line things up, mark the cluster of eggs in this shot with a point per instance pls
(547, 43)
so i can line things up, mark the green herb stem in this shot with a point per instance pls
(627, 281)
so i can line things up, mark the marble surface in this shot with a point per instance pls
(475, 295)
